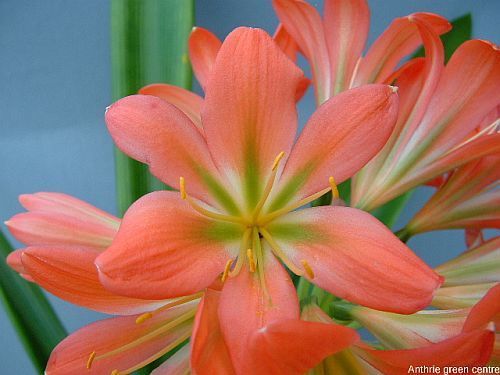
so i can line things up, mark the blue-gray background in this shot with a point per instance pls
(55, 84)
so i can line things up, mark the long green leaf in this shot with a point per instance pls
(30, 312)
(148, 45)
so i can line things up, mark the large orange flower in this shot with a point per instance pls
(241, 178)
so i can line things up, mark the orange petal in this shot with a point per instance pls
(356, 257)
(285, 41)
(187, 101)
(294, 346)
(166, 249)
(59, 219)
(339, 139)
(14, 261)
(398, 40)
(303, 22)
(209, 353)
(346, 25)
(485, 311)
(252, 92)
(468, 349)
(245, 308)
(70, 274)
(203, 49)
(155, 132)
(105, 336)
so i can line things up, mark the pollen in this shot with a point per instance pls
(226, 270)
(90, 360)
(333, 185)
(251, 260)
(142, 318)
(182, 184)
(277, 160)
(307, 268)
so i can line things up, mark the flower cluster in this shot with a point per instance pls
(206, 269)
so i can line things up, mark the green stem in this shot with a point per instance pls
(31, 314)
(148, 45)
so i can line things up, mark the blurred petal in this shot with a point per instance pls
(187, 101)
(355, 257)
(165, 249)
(485, 311)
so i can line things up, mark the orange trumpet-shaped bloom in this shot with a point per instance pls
(333, 44)
(429, 338)
(64, 235)
(240, 183)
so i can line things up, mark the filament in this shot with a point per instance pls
(280, 253)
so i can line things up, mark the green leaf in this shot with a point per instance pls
(461, 31)
(148, 45)
(31, 314)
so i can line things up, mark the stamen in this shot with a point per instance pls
(202, 210)
(182, 184)
(115, 372)
(175, 302)
(273, 215)
(142, 318)
(241, 256)
(333, 186)
(269, 186)
(251, 260)
(280, 253)
(148, 336)
(260, 264)
(90, 360)
(226, 270)
(277, 160)
(307, 268)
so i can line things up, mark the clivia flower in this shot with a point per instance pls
(333, 44)
(428, 338)
(64, 236)
(241, 179)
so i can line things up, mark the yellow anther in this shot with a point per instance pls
(142, 318)
(226, 270)
(115, 372)
(90, 360)
(251, 260)
(333, 185)
(182, 184)
(277, 160)
(307, 268)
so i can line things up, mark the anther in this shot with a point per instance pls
(226, 270)
(182, 184)
(307, 268)
(333, 185)
(277, 160)
(115, 372)
(142, 318)
(251, 260)
(90, 360)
